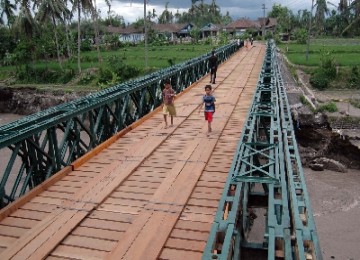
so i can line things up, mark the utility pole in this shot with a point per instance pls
(264, 21)
(263, 25)
(145, 37)
(309, 32)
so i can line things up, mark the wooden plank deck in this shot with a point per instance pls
(147, 193)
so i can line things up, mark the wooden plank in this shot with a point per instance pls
(12, 231)
(98, 233)
(105, 215)
(175, 254)
(105, 224)
(193, 225)
(89, 242)
(33, 193)
(6, 241)
(47, 208)
(29, 214)
(78, 253)
(203, 202)
(126, 202)
(197, 217)
(186, 245)
(189, 234)
(19, 222)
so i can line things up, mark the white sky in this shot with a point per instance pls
(132, 10)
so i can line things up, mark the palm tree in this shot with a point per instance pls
(96, 26)
(52, 10)
(25, 21)
(354, 8)
(81, 5)
(321, 11)
(8, 9)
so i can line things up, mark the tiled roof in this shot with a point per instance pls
(171, 27)
(211, 27)
(127, 30)
(243, 24)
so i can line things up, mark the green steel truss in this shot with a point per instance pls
(39, 145)
(266, 176)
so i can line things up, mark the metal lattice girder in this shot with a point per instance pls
(267, 156)
(41, 144)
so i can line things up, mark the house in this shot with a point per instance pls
(269, 22)
(136, 34)
(239, 27)
(173, 31)
(130, 33)
(210, 30)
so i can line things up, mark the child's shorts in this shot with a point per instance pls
(169, 109)
(209, 116)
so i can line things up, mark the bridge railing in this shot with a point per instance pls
(265, 189)
(39, 145)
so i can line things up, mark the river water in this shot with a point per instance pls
(5, 153)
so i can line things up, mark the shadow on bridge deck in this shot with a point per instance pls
(145, 194)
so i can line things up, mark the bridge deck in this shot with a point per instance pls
(145, 194)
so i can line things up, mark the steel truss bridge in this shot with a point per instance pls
(100, 178)
(44, 143)
(266, 173)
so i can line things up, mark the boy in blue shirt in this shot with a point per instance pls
(209, 109)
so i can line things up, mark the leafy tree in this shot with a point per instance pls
(114, 20)
(166, 16)
(284, 17)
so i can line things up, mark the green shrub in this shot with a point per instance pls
(320, 79)
(86, 79)
(121, 70)
(329, 107)
(301, 36)
(355, 103)
(328, 65)
(354, 79)
(30, 74)
(105, 76)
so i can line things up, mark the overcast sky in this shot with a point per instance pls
(132, 10)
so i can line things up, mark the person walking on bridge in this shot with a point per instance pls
(168, 96)
(209, 109)
(213, 63)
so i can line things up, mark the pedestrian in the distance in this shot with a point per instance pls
(213, 63)
(209, 108)
(168, 96)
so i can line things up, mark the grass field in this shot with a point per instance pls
(158, 57)
(345, 52)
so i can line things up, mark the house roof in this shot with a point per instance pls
(170, 27)
(243, 24)
(173, 28)
(127, 30)
(269, 22)
(211, 27)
